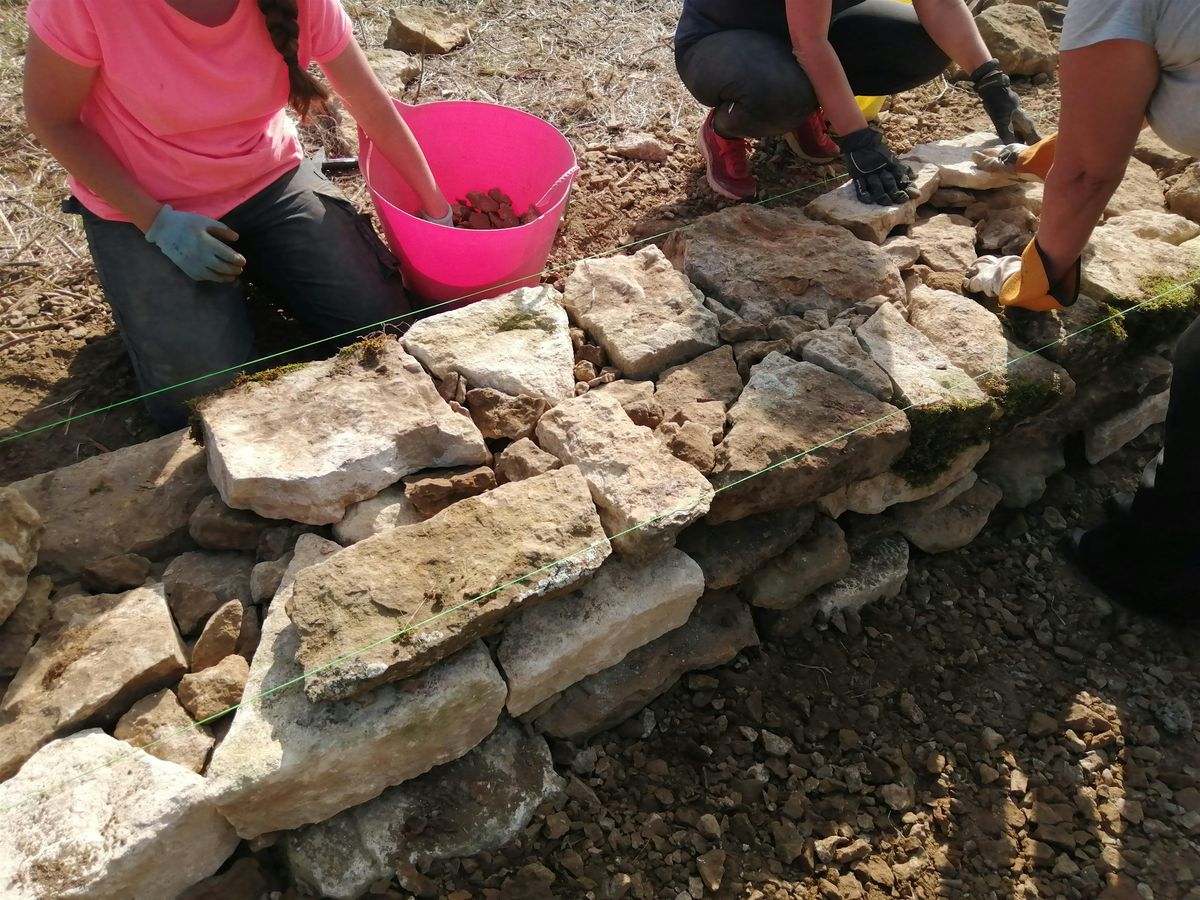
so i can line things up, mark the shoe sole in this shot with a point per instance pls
(716, 187)
(790, 140)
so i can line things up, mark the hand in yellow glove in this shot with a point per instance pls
(1017, 159)
(1020, 281)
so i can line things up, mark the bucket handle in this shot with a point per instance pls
(568, 175)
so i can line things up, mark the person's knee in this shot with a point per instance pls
(771, 107)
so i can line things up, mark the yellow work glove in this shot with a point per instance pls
(1030, 288)
(1019, 281)
(1017, 159)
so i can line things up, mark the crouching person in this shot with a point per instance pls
(170, 118)
(1123, 62)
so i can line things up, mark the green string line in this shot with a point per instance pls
(394, 319)
(588, 549)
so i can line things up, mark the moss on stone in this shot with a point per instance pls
(367, 351)
(1166, 307)
(266, 376)
(523, 320)
(940, 432)
(1024, 398)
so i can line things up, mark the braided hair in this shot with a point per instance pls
(284, 28)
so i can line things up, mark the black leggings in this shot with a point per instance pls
(759, 89)
(1170, 494)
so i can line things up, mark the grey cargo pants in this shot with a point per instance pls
(306, 247)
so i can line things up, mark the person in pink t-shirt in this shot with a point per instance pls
(170, 116)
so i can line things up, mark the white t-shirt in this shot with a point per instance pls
(1172, 27)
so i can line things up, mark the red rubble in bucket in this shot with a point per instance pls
(491, 210)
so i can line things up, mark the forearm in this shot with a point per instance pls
(392, 137)
(85, 155)
(1074, 202)
(823, 68)
(953, 29)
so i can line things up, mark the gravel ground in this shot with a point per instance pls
(996, 731)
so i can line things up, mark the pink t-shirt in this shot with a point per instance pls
(195, 113)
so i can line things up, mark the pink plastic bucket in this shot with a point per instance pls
(473, 147)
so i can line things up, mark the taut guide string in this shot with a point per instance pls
(410, 628)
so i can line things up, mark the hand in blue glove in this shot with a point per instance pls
(190, 241)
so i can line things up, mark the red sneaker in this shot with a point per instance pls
(810, 140)
(726, 161)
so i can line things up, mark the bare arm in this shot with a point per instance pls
(351, 77)
(55, 91)
(808, 24)
(952, 28)
(1106, 90)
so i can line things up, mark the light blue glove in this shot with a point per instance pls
(447, 219)
(188, 241)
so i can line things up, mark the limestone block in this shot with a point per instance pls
(837, 350)
(956, 165)
(27, 621)
(1153, 225)
(499, 415)
(159, 725)
(705, 379)
(20, 535)
(719, 629)
(1139, 190)
(1017, 36)
(96, 657)
(287, 762)
(1103, 439)
(214, 526)
(139, 829)
(1021, 462)
(953, 525)
(874, 495)
(524, 459)
(431, 492)
(765, 263)
(219, 637)
(200, 582)
(821, 557)
(481, 802)
(728, 553)
(214, 690)
(315, 440)
(641, 311)
(973, 339)
(421, 30)
(387, 509)
(627, 605)
(520, 544)
(947, 243)
(634, 480)
(878, 571)
(1122, 269)
(1165, 160)
(1184, 196)
(870, 221)
(517, 344)
(134, 500)
(817, 430)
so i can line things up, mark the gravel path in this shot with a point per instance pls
(995, 731)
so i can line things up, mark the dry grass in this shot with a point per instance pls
(46, 275)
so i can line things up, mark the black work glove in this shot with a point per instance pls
(878, 176)
(1002, 104)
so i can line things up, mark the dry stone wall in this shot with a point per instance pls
(416, 561)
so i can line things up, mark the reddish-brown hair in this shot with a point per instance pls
(284, 27)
